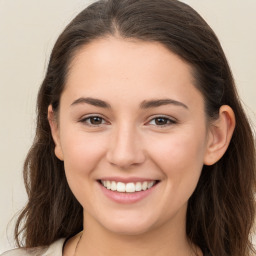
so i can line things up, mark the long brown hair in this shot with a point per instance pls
(221, 210)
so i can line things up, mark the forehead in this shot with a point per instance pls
(122, 67)
(127, 53)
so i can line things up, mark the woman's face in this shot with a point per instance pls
(131, 119)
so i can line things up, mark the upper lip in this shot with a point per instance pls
(126, 179)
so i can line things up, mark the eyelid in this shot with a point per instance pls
(88, 116)
(171, 120)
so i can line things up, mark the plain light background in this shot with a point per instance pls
(28, 30)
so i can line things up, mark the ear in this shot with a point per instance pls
(220, 134)
(55, 132)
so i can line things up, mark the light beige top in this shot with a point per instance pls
(55, 249)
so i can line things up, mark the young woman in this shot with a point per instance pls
(142, 146)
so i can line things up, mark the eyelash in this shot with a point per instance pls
(87, 120)
(168, 121)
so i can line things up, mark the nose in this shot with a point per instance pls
(125, 148)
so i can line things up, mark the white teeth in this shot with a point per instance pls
(150, 184)
(128, 187)
(113, 186)
(144, 185)
(108, 185)
(138, 186)
(120, 187)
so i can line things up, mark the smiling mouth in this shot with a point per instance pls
(129, 187)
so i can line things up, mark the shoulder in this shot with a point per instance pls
(55, 249)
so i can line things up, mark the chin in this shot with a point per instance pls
(128, 226)
(128, 230)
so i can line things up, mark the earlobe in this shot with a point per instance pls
(55, 132)
(220, 134)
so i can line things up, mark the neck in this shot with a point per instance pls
(168, 239)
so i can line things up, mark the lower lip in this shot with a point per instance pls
(126, 198)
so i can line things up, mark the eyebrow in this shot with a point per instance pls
(144, 105)
(161, 102)
(91, 101)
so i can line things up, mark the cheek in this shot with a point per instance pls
(179, 150)
(180, 157)
(82, 152)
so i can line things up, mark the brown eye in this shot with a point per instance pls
(93, 121)
(162, 121)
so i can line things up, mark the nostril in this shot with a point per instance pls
(125, 159)
(124, 149)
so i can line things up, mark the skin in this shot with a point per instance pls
(128, 141)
